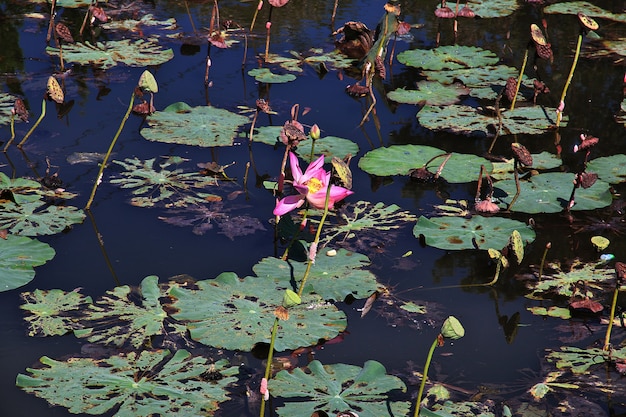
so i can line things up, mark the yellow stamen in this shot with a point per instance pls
(314, 185)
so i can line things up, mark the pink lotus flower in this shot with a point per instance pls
(311, 186)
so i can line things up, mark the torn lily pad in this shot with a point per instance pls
(134, 53)
(478, 232)
(430, 92)
(331, 277)
(53, 312)
(139, 384)
(204, 126)
(19, 190)
(18, 256)
(232, 313)
(38, 218)
(337, 388)
(554, 311)
(265, 75)
(469, 121)
(400, 159)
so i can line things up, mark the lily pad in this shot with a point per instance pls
(173, 187)
(459, 409)
(331, 277)
(135, 384)
(54, 312)
(429, 92)
(116, 319)
(19, 190)
(493, 8)
(6, 106)
(232, 313)
(550, 193)
(18, 256)
(37, 218)
(576, 359)
(264, 75)
(337, 388)
(469, 121)
(134, 53)
(146, 21)
(196, 126)
(478, 232)
(400, 159)
(328, 146)
(448, 57)
(591, 10)
(595, 277)
(611, 169)
(560, 312)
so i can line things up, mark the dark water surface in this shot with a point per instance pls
(138, 244)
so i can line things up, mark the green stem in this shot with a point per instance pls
(43, 113)
(496, 275)
(519, 79)
(517, 186)
(569, 78)
(12, 134)
(424, 377)
(607, 338)
(268, 367)
(108, 154)
(543, 260)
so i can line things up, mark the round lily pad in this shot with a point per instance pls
(264, 75)
(400, 159)
(575, 7)
(329, 146)
(478, 232)
(429, 92)
(611, 169)
(448, 57)
(18, 256)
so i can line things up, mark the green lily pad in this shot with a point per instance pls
(313, 57)
(134, 53)
(400, 159)
(22, 190)
(493, 8)
(550, 193)
(560, 312)
(478, 232)
(269, 135)
(429, 92)
(6, 106)
(611, 169)
(232, 313)
(264, 75)
(576, 359)
(469, 121)
(196, 126)
(147, 20)
(331, 277)
(541, 161)
(595, 276)
(116, 319)
(37, 218)
(328, 146)
(591, 10)
(18, 256)
(448, 57)
(337, 388)
(135, 384)
(459, 409)
(173, 187)
(67, 3)
(53, 312)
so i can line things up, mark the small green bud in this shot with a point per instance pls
(291, 299)
(452, 328)
(315, 132)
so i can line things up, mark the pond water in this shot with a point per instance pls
(120, 244)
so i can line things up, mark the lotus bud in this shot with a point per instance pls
(315, 132)
(291, 299)
(452, 328)
(268, 25)
(263, 389)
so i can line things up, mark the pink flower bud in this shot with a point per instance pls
(315, 132)
(268, 25)
(260, 5)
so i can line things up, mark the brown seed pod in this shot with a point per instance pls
(292, 133)
(588, 142)
(545, 52)
(98, 13)
(521, 154)
(510, 88)
(486, 206)
(357, 90)
(587, 179)
(444, 12)
(64, 33)
(537, 35)
(379, 66)
(281, 313)
(263, 106)
(466, 12)
(422, 174)
(587, 22)
(620, 269)
(19, 109)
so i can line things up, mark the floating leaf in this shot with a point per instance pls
(330, 277)
(429, 92)
(469, 121)
(550, 193)
(135, 384)
(400, 159)
(53, 312)
(328, 146)
(578, 360)
(37, 218)
(478, 232)
(196, 126)
(493, 8)
(611, 169)
(594, 276)
(137, 53)
(19, 190)
(232, 313)
(459, 409)
(176, 188)
(7, 102)
(560, 312)
(337, 388)
(448, 57)
(575, 7)
(116, 319)
(146, 21)
(264, 75)
(600, 242)
(18, 256)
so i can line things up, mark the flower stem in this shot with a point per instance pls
(12, 133)
(424, 377)
(607, 337)
(543, 260)
(519, 79)
(32, 129)
(559, 114)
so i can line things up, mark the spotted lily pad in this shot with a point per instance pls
(18, 256)
(595, 277)
(54, 312)
(146, 21)
(591, 10)
(478, 232)
(232, 313)
(118, 318)
(578, 360)
(550, 193)
(337, 388)
(467, 120)
(448, 57)
(37, 218)
(196, 126)
(611, 169)
(331, 277)
(132, 384)
(400, 159)
(264, 75)
(429, 92)
(134, 53)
